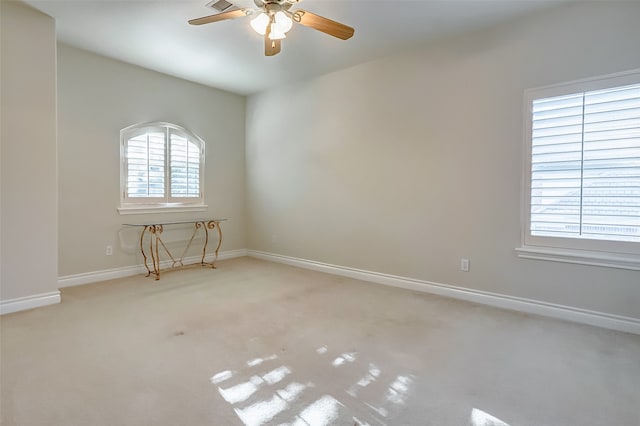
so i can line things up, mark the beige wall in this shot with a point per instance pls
(406, 164)
(28, 185)
(97, 97)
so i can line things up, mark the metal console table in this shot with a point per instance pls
(155, 230)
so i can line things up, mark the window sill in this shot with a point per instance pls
(162, 208)
(581, 257)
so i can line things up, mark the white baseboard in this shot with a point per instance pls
(599, 319)
(110, 274)
(29, 302)
(584, 316)
(97, 276)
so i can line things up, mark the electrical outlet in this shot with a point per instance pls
(464, 265)
(109, 250)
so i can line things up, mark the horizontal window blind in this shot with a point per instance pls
(585, 165)
(185, 167)
(145, 155)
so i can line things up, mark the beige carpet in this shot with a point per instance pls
(260, 343)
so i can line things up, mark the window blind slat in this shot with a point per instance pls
(612, 144)
(612, 116)
(553, 139)
(559, 122)
(625, 154)
(557, 102)
(557, 131)
(560, 147)
(594, 136)
(612, 95)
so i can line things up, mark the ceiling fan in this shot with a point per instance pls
(273, 19)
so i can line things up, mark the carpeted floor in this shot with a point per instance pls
(261, 343)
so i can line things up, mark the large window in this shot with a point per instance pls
(162, 167)
(582, 171)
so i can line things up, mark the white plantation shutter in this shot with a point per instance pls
(161, 164)
(585, 165)
(145, 157)
(185, 167)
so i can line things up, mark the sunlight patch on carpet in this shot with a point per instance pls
(261, 396)
(480, 418)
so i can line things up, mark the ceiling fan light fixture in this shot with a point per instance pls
(272, 19)
(275, 33)
(282, 22)
(260, 23)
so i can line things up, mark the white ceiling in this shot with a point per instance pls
(229, 55)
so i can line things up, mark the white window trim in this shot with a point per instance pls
(144, 205)
(162, 208)
(611, 254)
(580, 257)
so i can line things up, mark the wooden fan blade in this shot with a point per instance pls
(271, 47)
(323, 24)
(232, 14)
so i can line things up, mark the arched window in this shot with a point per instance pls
(162, 166)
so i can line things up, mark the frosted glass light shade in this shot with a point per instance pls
(282, 22)
(260, 23)
(275, 33)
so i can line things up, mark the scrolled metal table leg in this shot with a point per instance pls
(144, 256)
(211, 225)
(156, 230)
(206, 240)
